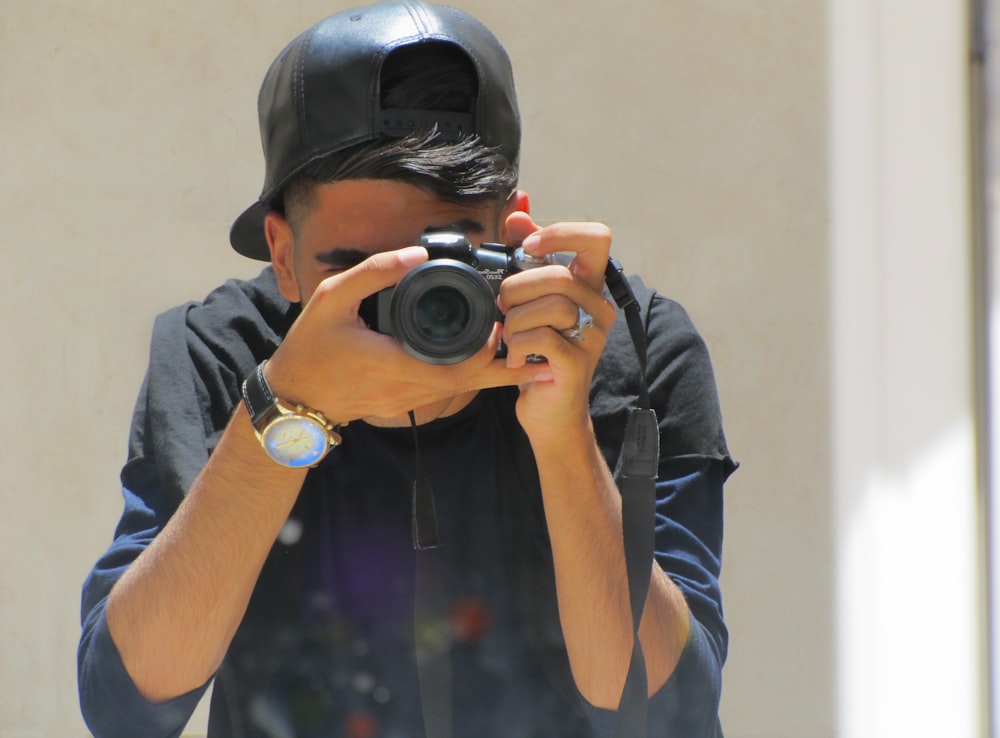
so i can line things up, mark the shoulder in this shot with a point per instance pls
(237, 310)
(670, 336)
(237, 325)
(679, 377)
(668, 329)
(199, 354)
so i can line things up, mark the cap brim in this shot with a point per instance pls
(247, 233)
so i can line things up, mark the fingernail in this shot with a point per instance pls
(412, 255)
(532, 243)
(545, 375)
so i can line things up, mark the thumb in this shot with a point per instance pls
(384, 269)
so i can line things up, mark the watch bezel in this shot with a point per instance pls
(315, 430)
(268, 414)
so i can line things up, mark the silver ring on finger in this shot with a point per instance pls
(584, 320)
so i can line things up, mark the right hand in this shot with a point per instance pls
(331, 361)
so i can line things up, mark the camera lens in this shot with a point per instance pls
(443, 311)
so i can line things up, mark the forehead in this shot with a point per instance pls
(377, 215)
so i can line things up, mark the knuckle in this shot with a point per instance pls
(607, 313)
(562, 275)
(325, 289)
(373, 263)
(601, 232)
(570, 312)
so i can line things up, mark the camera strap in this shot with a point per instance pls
(637, 485)
(430, 607)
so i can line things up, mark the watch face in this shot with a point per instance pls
(294, 440)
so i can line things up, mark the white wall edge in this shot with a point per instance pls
(908, 640)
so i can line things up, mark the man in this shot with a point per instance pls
(351, 537)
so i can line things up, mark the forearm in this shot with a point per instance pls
(583, 512)
(174, 612)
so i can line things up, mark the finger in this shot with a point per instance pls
(398, 366)
(557, 350)
(481, 371)
(498, 374)
(556, 288)
(556, 311)
(591, 242)
(347, 289)
(495, 374)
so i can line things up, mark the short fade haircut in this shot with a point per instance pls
(430, 76)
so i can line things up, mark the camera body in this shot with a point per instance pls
(443, 311)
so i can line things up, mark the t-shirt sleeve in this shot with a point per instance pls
(111, 704)
(687, 705)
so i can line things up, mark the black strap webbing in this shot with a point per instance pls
(430, 606)
(637, 484)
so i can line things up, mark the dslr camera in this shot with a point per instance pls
(443, 311)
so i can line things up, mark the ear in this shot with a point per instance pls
(518, 202)
(281, 242)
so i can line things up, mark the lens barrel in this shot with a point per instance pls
(443, 311)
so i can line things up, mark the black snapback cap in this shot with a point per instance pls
(322, 95)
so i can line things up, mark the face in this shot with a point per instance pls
(351, 220)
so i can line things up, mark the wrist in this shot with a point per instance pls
(561, 439)
(292, 435)
(557, 428)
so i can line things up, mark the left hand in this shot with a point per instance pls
(538, 304)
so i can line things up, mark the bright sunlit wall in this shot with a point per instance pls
(910, 637)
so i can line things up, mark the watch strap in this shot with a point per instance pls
(258, 397)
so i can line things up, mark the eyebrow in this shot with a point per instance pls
(347, 257)
(465, 225)
(342, 258)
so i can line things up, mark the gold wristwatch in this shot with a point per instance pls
(293, 435)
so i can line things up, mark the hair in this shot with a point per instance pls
(429, 76)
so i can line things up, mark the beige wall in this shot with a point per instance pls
(696, 130)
